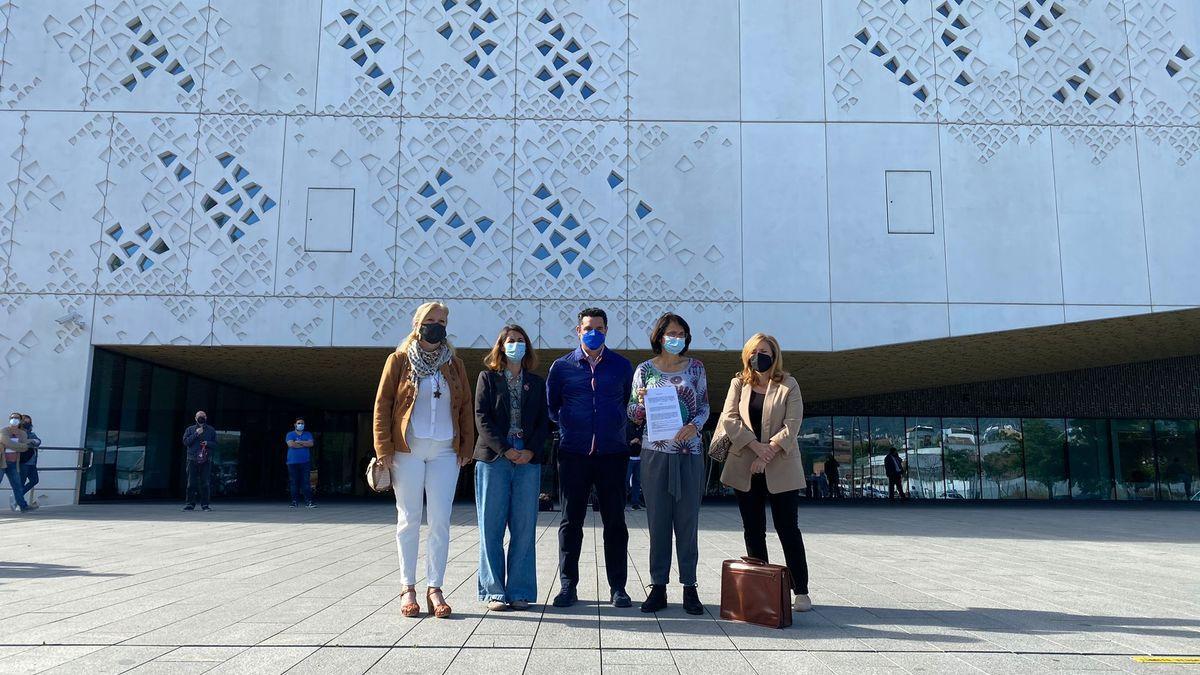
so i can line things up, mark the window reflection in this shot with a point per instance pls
(816, 449)
(925, 474)
(960, 450)
(844, 429)
(886, 433)
(1045, 459)
(1001, 458)
(1175, 441)
(1133, 459)
(1088, 459)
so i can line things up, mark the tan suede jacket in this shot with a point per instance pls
(783, 410)
(394, 404)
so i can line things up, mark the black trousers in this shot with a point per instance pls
(199, 479)
(784, 507)
(578, 474)
(896, 484)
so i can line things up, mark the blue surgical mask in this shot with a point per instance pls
(674, 345)
(299, 427)
(514, 351)
(593, 339)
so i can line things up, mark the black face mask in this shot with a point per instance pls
(201, 420)
(433, 333)
(761, 362)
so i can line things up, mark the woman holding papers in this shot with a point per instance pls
(761, 419)
(670, 402)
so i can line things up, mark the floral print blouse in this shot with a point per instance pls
(691, 384)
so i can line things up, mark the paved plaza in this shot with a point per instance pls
(260, 588)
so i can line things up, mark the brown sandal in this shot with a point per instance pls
(410, 609)
(437, 608)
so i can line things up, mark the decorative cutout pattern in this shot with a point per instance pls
(571, 63)
(362, 43)
(1070, 73)
(148, 54)
(133, 41)
(236, 203)
(893, 36)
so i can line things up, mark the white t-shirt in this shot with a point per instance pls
(431, 418)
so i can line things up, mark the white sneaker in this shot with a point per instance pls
(802, 604)
(497, 606)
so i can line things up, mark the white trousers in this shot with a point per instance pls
(429, 470)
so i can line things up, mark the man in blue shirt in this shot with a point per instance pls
(587, 391)
(299, 460)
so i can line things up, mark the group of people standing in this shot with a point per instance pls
(427, 425)
(18, 460)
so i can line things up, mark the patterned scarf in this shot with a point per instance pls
(425, 364)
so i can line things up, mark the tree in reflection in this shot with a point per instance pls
(1043, 453)
(1002, 465)
(1087, 441)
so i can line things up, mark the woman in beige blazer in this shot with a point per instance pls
(761, 418)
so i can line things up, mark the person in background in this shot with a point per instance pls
(299, 463)
(833, 475)
(633, 480)
(200, 440)
(761, 418)
(14, 441)
(424, 429)
(586, 393)
(673, 469)
(894, 466)
(29, 458)
(512, 427)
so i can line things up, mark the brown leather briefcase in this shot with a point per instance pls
(756, 592)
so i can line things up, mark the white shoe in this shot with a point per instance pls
(497, 606)
(802, 604)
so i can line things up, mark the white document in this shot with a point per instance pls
(663, 418)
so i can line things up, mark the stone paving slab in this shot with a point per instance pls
(260, 588)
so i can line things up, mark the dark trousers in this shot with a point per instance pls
(199, 478)
(578, 474)
(298, 481)
(896, 484)
(29, 476)
(784, 505)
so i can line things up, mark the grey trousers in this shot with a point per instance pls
(672, 486)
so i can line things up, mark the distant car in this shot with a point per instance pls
(952, 494)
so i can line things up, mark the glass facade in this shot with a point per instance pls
(138, 412)
(1011, 458)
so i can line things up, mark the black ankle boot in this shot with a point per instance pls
(691, 601)
(657, 600)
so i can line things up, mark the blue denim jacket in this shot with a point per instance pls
(590, 417)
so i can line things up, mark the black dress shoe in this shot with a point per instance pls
(566, 596)
(657, 600)
(691, 601)
(189, 507)
(621, 599)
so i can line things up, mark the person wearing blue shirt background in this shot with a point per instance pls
(586, 393)
(299, 443)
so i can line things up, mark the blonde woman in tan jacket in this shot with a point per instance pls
(425, 427)
(761, 418)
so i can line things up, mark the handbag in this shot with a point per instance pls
(720, 446)
(379, 475)
(753, 591)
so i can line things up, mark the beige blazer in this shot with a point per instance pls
(783, 410)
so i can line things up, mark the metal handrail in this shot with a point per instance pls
(84, 464)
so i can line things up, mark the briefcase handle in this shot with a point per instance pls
(753, 561)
